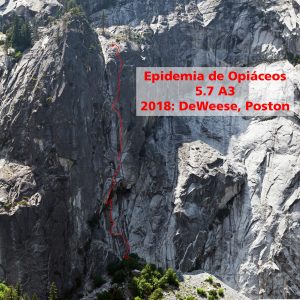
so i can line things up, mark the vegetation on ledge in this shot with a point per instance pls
(293, 58)
(9, 292)
(142, 281)
(18, 34)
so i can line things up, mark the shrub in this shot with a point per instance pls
(210, 279)
(112, 294)
(152, 279)
(221, 292)
(213, 295)
(116, 294)
(137, 298)
(98, 281)
(134, 255)
(103, 296)
(144, 288)
(171, 277)
(120, 270)
(213, 292)
(76, 11)
(113, 267)
(201, 292)
(23, 203)
(293, 58)
(156, 295)
(18, 55)
(190, 298)
(7, 292)
(132, 262)
(49, 100)
(69, 4)
(51, 19)
(133, 287)
(3, 288)
(119, 276)
(179, 296)
(216, 285)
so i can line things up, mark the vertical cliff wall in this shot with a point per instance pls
(51, 128)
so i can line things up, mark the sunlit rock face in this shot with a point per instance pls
(28, 8)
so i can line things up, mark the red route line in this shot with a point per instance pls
(109, 202)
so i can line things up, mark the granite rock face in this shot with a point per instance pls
(28, 8)
(51, 144)
(219, 194)
(242, 241)
(18, 187)
(198, 279)
(207, 182)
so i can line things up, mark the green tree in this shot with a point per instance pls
(103, 22)
(11, 294)
(53, 292)
(157, 294)
(34, 297)
(25, 36)
(3, 290)
(19, 34)
(19, 290)
(71, 4)
(15, 33)
(152, 280)
(201, 292)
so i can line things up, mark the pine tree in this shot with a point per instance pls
(71, 4)
(19, 290)
(25, 39)
(19, 34)
(53, 292)
(11, 294)
(26, 297)
(15, 32)
(34, 297)
(103, 22)
(1, 24)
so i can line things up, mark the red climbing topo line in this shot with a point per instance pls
(109, 201)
